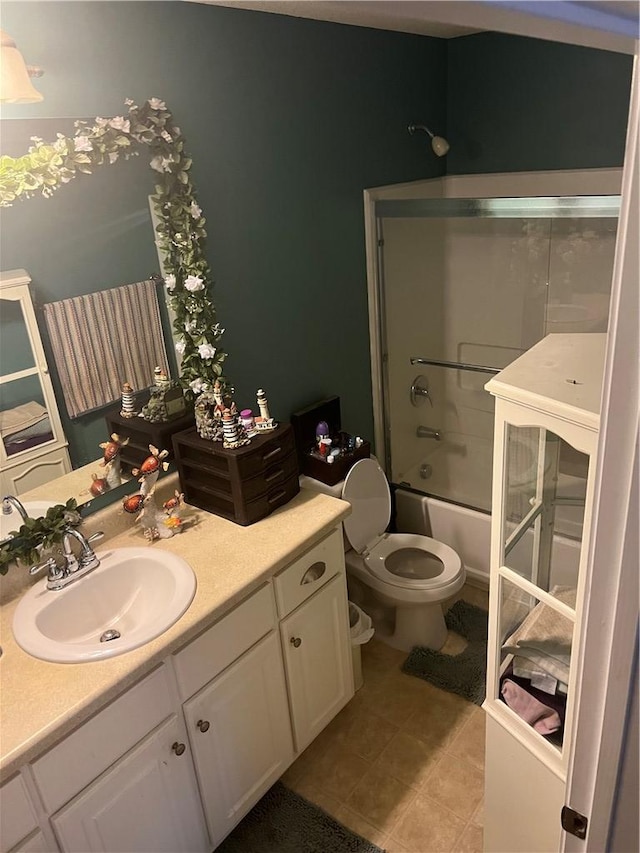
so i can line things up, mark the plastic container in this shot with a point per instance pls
(362, 631)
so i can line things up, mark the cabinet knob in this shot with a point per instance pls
(178, 748)
(296, 642)
(203, 725)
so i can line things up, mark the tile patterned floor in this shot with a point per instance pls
(403, 763)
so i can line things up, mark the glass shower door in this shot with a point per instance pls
(466, 286)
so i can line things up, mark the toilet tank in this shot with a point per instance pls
(334, 491)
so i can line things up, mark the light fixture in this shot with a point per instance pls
(438, 143)
(15, 75)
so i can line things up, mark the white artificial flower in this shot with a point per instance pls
(113, 156)
(128, 102)
(206, 351)
(170, 282)
(198, 386)
(102, 122)
(180, 347)
(161, 164)
(82, 143)
(195, 210)
(36, 139)
(157, 104)
(60, 144)
(193, 283)
(190, 326)
(166, 136)
(120, 123)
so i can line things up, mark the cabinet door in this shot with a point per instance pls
(317, 652)
(147, 803)
(241, 735)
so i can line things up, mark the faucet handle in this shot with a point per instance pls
(54, 572)
(95, 536)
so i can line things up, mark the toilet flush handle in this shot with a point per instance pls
(296, 642)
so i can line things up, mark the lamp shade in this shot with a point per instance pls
(15, 84)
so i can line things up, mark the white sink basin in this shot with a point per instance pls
(138, 592)
(11, 522)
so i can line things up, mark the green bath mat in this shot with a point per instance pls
(284, 822)
(464, 674)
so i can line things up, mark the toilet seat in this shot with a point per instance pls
(367, 490)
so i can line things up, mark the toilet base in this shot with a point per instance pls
(421, 625)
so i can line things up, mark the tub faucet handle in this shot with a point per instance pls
(419, 391)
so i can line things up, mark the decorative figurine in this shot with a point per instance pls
(246, 418)
(234, 436)
(111, 461)
(128, 404)
(323, 442)
(166, 399)
(99, 485)
(156, 523)
(175, 505)
(150, 469)
(264, 422)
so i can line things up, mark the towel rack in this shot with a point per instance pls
(455, 365)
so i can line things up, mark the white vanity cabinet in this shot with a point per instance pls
(546, 432)
(312, 597)
(176, 761)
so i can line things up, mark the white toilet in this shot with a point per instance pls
(410, 573)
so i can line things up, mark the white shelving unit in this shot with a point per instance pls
(546, 432)
(46, 460)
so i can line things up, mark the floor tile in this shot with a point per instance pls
(380, 799)
(439, 717)
(469, 742)
(478, 815)
(471, 840)
(428, 827)
(408, 759)
(368, 734)
(359, 825)
(395, 697)
(456, 785)
(337, 771)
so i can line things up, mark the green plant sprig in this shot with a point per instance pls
(38, 534)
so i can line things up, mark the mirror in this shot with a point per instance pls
(124, 232)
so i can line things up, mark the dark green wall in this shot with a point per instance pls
(518, 104)
(287, 121)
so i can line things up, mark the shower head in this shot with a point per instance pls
(438, 143)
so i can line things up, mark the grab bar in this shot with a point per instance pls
(455, 365)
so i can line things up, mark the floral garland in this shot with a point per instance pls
(181, 232)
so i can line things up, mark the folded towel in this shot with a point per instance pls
(542, 718)
(544, 637)
(21, 417)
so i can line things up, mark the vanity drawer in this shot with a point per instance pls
(213, 651)
(301, 579)
(77, 760)
(17, 817)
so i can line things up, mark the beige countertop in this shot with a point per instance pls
(40, 702)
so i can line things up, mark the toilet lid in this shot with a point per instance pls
(367, 490)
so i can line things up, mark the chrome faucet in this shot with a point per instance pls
(73, 567)
(8, 501)
(427, 432)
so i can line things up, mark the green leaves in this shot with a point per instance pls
(38, 534)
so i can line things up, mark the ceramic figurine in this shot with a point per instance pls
(323, 442)
(128, 403)
(160, 378)
(99, 485)
(133, 503)
(246, 418)
(175, 505)
(111, 461)
(150, 469)
(264, 422)
(233, 436)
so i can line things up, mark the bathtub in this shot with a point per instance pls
(468, 532)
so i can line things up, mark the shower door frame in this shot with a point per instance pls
(497, 185)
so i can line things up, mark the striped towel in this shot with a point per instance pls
(104, 339)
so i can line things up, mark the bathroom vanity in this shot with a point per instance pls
(167, 747)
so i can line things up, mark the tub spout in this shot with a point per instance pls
(427, 432)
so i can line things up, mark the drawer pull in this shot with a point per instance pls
(203, 725)
(276, 475)
(314, 572)
(296, 642)
(272, 453)
(178, 748)
(277, 496)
